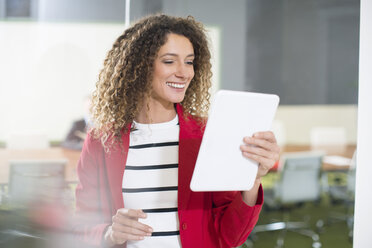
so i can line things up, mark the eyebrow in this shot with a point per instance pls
(176, 55)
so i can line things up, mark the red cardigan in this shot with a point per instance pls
(207, 219)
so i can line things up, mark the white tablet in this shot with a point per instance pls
(220, 165)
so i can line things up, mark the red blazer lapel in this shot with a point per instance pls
(189, 142)
(116, 159)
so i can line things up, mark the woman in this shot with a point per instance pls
(135, 169)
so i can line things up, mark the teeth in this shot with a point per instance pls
(174, 85)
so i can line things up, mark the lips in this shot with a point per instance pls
(176, 85)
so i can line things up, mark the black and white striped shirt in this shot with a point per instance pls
(151, 181)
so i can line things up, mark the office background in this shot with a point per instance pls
(314, 78)
(304, 51)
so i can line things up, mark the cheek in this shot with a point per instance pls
(160, 71)
(192, 74)
(157, 73)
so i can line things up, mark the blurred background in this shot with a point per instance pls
(305, 51)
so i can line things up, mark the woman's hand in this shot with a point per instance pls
(262, 148)
(125, 226)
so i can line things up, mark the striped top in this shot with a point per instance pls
(150, 181)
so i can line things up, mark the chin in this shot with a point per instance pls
(177, 99)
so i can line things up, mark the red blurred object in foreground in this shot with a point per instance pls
(50, 215)
(275, 167)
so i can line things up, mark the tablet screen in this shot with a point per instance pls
(220, 165)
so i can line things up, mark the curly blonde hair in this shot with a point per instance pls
(125, 79)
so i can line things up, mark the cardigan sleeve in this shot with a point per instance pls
(233, 219)
(89, 223)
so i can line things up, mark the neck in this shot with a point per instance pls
(157, 113)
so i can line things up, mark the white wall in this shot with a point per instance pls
(47, 69)
(297, 120)
(363, 216)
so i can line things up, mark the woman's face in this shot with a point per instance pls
(173, 70)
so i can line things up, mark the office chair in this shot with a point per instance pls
(33, 185)
(35, 180)
(299, 182)
(332, 139)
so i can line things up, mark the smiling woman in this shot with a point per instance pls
(173, 72)
(149, 109)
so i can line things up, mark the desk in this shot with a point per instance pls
(51, 153)
(346, 151)
(73, 157)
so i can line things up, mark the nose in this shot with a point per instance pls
(182, 71)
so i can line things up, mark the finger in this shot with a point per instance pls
(267, 135)
(133, 213)
(120, 238)
(132, 229)
(131, 222)
(258, 151)
(261, 143)
(264, 163)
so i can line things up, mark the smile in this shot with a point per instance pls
(176, 85)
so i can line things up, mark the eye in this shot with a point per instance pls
(190, 62)
(168, 61)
